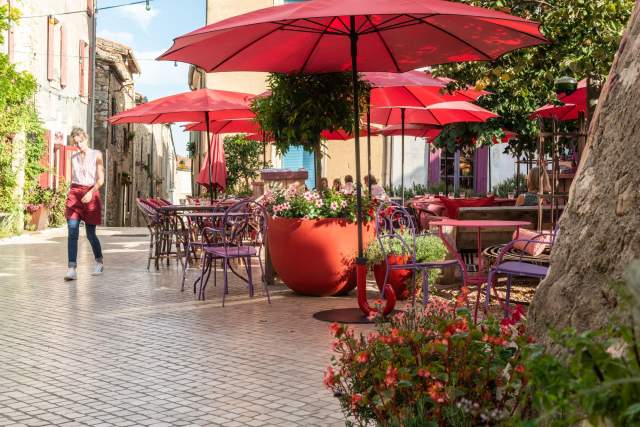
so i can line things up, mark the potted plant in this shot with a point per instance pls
(37, 204)
(427, 248)
(312, 239)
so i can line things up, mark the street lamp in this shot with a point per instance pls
(565, 84)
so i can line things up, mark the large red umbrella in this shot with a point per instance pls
(561, 113)
(578, 96)
(226, 126)
(377, 35)
(202, 105)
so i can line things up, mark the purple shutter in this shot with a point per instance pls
(482, 170)
(434, 167)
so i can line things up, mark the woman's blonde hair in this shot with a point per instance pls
(533, 180)
(78, 131)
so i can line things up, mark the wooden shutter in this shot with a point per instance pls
(81, 74)
(90, 7)
(434, 167)
(43, 179)
(10, 37)
(50, 48)
(63, 57)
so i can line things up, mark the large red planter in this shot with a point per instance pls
(316, 256)
(398, 279)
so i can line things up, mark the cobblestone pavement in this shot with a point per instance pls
(128, 348)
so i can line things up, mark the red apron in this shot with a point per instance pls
(90, 213)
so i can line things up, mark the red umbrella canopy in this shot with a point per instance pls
(410, 78)
(439, 114)
(413, 129)
(226, 126)
(213, 172)
(189, 107)
(418, 96)
(315, 36)
(562, 113)
(578, 97)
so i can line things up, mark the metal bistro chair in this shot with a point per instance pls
(240, 236)
(152, 220)
(519, 267)
(394, 224)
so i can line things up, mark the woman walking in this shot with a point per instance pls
(83, 201)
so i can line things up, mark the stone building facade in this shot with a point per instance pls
(139, 159)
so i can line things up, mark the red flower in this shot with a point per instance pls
(335, 329)
(520, 369)
(329, 379)
(391, 378)
(355, 399)
(436, 393)
(362, 357)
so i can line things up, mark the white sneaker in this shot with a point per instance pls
(98, 269)
(71, 274)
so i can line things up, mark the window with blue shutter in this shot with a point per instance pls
(297, 158)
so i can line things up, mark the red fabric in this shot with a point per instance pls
(419, 96)
(215, 156)
(413, 129)
(559, 112)
(438, 114)
(193, 106)
(578, 97)
(454, 205)
(90, 213)
(247, 125)
(394, 35)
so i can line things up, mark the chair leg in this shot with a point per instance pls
(425, 287)
(508, 296)
(185, 266)
(247, 263)
(202, 272)
(264, 280)
(150, 257)
(225, 290)
(487, 296)
(215, 273)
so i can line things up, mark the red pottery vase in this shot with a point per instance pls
(398, 279)
(316, 256)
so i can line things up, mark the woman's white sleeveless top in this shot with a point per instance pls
(83, 171)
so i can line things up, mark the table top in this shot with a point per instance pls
(479, 223)
(212, 214)
(176, 208)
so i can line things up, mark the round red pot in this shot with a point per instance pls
(315, 256)
(398, 279)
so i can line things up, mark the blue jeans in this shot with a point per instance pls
(72, 243)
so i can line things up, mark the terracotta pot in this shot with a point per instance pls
(40, 218)
(398, 279)
(316, 256)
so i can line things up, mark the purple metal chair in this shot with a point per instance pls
(518, 268)
(394, 224)
(241, 236)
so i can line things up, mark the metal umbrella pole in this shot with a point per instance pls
(206, 117)
(369, 147)
(402, 111)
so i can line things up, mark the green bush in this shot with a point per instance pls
(509, 186)
(428, 248)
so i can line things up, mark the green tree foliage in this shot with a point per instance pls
(301, 106)
(584, 36)
(17, 114)
(242, 156)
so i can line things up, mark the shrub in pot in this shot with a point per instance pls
(312, 238)
(427, 247)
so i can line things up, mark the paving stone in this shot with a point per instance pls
(128, 348)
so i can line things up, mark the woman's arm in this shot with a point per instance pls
(99, 179)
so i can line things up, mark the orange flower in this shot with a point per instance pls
(355, 400)
(362, 357)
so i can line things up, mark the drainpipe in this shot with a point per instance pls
(92, 104)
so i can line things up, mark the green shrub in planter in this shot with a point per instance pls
(428, 248)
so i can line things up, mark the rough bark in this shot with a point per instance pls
(600, 227)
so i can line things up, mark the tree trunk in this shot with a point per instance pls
(600, 228)
(317, 158)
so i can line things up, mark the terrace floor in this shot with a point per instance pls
(128, 348)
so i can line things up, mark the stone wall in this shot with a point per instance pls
(138, 158)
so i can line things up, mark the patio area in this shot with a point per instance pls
(128, 348)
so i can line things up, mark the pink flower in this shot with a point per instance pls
(372, 314)
(334, 206)
(424, 373)
(329, 379)
(308, 196)
(319, 203)
(343, 204)
(335, 329)
(391, 378)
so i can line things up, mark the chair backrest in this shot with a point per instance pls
(395, 231)
(243, 224)
(149, 214)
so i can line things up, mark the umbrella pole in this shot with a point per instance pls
(206, 118)
(369, 147)
(264, 150)
(402, 159)
(361, 262)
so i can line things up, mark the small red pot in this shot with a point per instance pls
(398, 279)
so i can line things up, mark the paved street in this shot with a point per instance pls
(128, 348)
